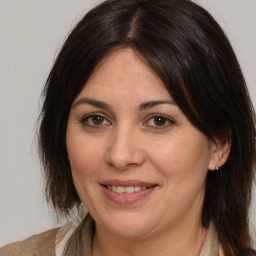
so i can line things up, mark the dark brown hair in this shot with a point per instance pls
(188, 50)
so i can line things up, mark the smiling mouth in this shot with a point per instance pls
(128, 189)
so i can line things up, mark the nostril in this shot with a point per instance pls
(123, 151)
(125, 161)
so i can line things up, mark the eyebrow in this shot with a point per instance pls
(151, 104)
(93, 102)
(103, 105)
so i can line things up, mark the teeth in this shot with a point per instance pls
(137, 188)
(120, 189)
(130, 189)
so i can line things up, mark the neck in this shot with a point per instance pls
(185, 239)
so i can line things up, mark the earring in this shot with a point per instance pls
(216, 168)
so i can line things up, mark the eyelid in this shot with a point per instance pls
(90, 115)
(167, 118)
(83, 120)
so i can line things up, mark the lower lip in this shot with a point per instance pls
(127, 198)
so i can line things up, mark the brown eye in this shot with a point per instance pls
(95, 120)
(160, 121)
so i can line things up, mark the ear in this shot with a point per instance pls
(219, 154)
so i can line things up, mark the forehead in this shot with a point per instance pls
(121, 73)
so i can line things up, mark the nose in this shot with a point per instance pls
(124, 149)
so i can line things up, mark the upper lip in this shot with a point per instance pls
(127, 183)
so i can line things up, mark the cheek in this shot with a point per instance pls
(83, 153)
(183, 156)
(183, 164)
(84, 162)
(85, 165)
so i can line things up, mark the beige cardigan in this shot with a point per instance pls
(44, 244)
(37, 245)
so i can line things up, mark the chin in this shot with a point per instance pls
(131, 225)
(130, 231)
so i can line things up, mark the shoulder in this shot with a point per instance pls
(41, 244)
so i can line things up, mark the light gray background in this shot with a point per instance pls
(31, 32)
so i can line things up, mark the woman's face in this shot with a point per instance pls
(138, 164)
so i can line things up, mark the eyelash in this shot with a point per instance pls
(84, 120)
(163, 117)
(105, 121)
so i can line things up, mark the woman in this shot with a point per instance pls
(148, 123)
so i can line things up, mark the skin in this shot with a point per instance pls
(123, 140)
